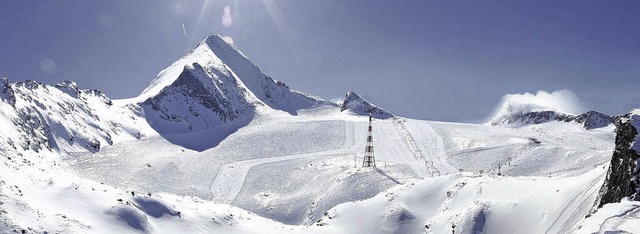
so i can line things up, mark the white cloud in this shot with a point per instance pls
(564, 101)
(48, 66)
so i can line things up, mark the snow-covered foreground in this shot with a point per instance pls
(305, 171)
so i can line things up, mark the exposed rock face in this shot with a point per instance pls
(6, 93)
(594, 119)
(618, 183)
(69, 87)
(356, 104)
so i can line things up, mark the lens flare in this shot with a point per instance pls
(227, 20)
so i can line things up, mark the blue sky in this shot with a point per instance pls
(437, 60)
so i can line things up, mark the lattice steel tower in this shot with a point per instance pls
(369, 160)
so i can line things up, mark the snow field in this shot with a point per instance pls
(292, 170)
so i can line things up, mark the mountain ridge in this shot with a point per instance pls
(588, 120)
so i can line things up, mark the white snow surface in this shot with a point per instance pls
(301, 174)
(619, 217)
(279, 161)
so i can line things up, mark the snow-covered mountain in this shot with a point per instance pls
(62, 117)
(223, 62)
(215, 145)
(518, 114)
(217, 88)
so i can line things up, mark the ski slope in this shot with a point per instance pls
(302, 174)
(294, 169)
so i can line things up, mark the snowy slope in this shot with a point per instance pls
(64, 118)
(321, 175)
(321, 172)
(463, 203)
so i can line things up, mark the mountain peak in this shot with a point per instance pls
(69, 87)
(215, 41)
(358, 105)
(218, 44)
(4, 82)
(215, 53)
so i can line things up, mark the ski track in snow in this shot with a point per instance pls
(416, 152)
(614, 222)
(478, 149)
(230, 179)
(437, 155)
(580, 202)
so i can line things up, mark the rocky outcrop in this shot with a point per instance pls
(594, 119)
(618, 183)
(357, 105)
